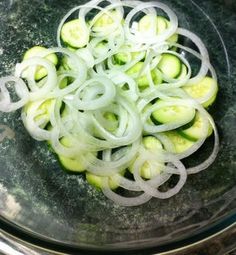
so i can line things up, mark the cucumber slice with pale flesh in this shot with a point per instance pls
(151, 23)
(35, 51)
(152, 144)
(44, 111)
(183, 73)
(98, 181)
(201, 89)
(102, 22)
(180, 143)
(72, 165)
(75, 33)
(142, 80)
(121, 58)
(175, 113)
(157, 24)
(195, 131)
(170, 65)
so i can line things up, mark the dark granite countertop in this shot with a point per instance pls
(224, 243)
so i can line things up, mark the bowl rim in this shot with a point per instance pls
(32, 239)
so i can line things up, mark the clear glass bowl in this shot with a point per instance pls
(41, 204)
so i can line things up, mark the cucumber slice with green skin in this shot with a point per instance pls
(170, 65)
(72, 165)
(97, 181)
(75, 33)
(195, 132)
(175, 113)
(122, 58)
(142, 81)
(151, 143)
(71, 48)
(35, 51)
(180, 143)
(201, 89)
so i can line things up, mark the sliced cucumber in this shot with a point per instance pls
(151, 143)
(72, 165)
(142, 80)
(148, 173)
(65, 63)
(180, 143)
(174, 38)
(195, 132)
(151, 23)
(101, 49)
(170, 65)
(183, 73)
(41, 71)
(112, 121)
(162, 24)
(64, 82)
(158, 24)
(75, 33)
(202, 88)
(175, 113)
(97, 181)
(122, 58)
(107, 19)
(44, 111)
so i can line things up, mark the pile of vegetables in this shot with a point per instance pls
(118, 100)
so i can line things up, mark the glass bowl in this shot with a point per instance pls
(44, 206)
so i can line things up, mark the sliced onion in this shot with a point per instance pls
(153, 191)
(125, 201)
(137, 36)
(50, 82)
(6, 102)
(98, 86)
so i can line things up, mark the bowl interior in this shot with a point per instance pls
(37, 196)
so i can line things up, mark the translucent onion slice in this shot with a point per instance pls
(103, 98)
(37, 92)
(137, 36)
(126, 201)
(205, 164)
(154, 191)
(109, 168)
(29, 118)
(7, 103)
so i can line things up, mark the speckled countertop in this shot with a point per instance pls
(219, 245)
